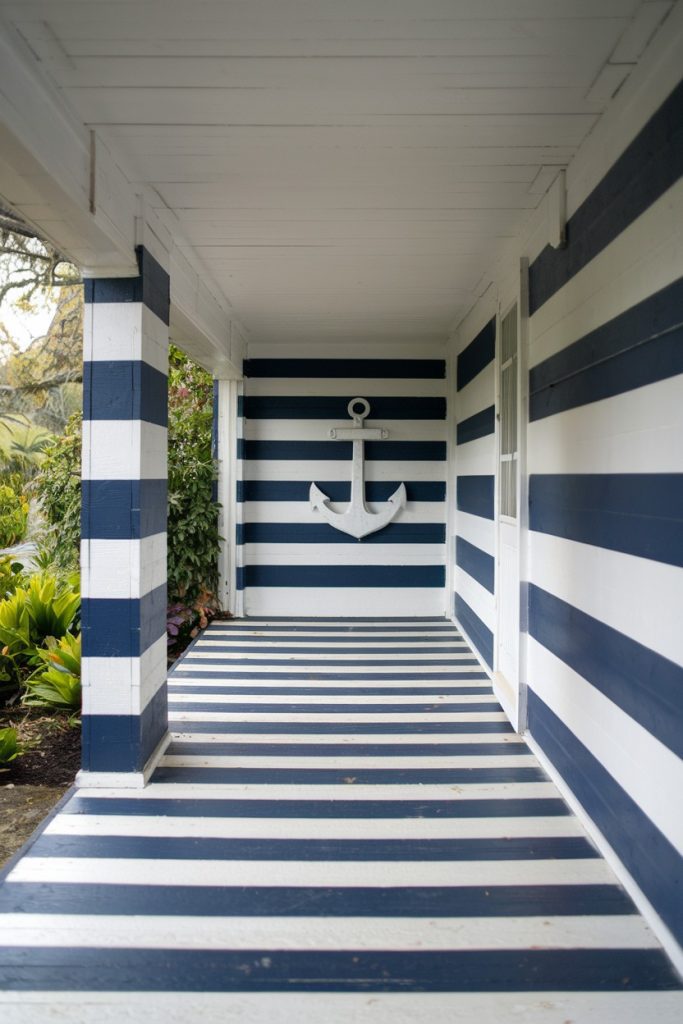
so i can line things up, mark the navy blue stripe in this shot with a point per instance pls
(479, 633)
(383, 369)
(197, 747)
(123, 509)
(478, 354)
(641, 682)
(181, 807)
(341, 451)
(124, 743)
(338, 490)
(358, 728)
(477, 563)
(638, 347)
(323, 533)
(120, 627)
(89, 969)
(151, 287)
(267, 970)
(340, 776)
(302, 901)
(433, 707)
(647, 168)
(326, 407)
(361, 850)
(654, 863)
(638, 513)
(479, 425)
(332, 691)
(474, 494)
(124, 390)
(344, 576)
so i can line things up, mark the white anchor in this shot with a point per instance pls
(358, 521)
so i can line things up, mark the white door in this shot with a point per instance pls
(506, 679)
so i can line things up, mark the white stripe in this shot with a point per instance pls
(476, 458)
(352, 874)
(376, 739)
(114, 331)
(352, 699)
(323, 657)
(340, 600)
(651, 774)
(315, 933)
(123, 568)
(270, 553)
(319, 665)
(477, 530)
(636, 432)
(123, 686)
(644, 258)
(319, 430)
(478, 394)
(312, 828)
(123, 450)
(425, 688)
(283, 717)
(347, 791)
(447, 638)
(481, 601)
(301, 511)
(602, 584)
(349, 761)
(347, 387)
(256, 622)
(351, 1007)
(318, 471)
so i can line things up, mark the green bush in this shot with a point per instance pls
(58, 685)
(58, 487)
(13, 516)
(193, 539)
(11, 576)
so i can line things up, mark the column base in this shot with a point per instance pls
(123, 780)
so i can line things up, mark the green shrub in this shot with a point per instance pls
(58, 487)
(9, 745)
(11, 575)
(13, 516)
(193, 538)
(59, 684)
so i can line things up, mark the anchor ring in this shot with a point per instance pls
(358, 417)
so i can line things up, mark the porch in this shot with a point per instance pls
(344, 827)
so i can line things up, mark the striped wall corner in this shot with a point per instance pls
(605, 646)
(291, 557)
(475, 488)
(123, 523)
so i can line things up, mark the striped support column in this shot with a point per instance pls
(123, 546)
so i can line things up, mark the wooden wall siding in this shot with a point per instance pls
(344, 812)
(123, 549)
(475, 488)
(605, 649)
(292, 558)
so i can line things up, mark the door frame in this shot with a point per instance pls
(512, 695)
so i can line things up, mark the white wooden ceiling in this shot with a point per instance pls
(343, 169)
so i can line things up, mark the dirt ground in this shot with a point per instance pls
(33, 784)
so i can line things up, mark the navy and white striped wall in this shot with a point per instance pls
(292, 559)
(123, 546)
(605, 457)
(475, 485)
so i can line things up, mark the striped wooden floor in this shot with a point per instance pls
(345, 828)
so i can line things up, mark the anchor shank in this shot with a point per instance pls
(358, 477)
